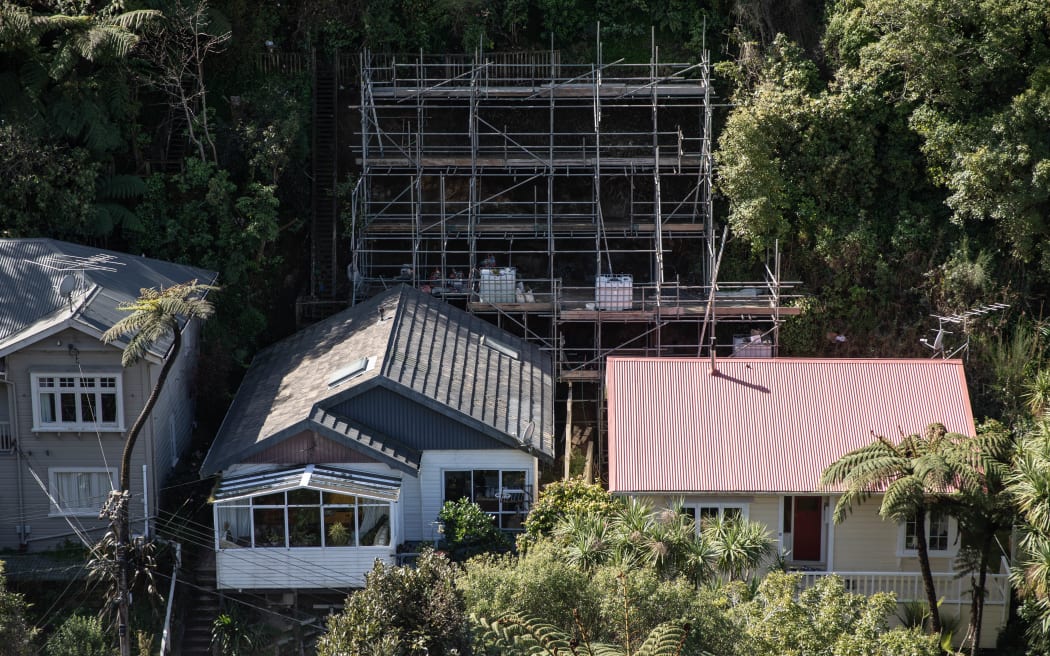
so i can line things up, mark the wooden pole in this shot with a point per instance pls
(568, 434)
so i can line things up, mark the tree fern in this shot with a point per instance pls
(517, 635)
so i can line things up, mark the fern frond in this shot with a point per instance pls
(666, 639)
(133, 20)
(120, 187)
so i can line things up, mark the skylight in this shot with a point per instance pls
(351, 371)
(500, 347)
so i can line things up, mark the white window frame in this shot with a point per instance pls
(501, 496)
(39, 425)
(82, 511)
(722, 506)
(953, 539)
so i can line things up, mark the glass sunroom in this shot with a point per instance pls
(303, 527)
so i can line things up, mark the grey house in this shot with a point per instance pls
(345, 439)
(65, 400)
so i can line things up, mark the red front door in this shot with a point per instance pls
(807, 523)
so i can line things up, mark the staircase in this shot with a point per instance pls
(325, 277)
(202, 607)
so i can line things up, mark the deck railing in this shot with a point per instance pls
(908, 585)
(7, 437)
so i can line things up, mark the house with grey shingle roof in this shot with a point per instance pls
(65, 400)
(345, 439)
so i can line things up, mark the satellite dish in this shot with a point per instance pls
(66, 286)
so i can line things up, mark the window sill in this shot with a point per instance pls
(931, 554)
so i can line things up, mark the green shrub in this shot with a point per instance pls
(402, 611)
(563, 498)
(79, 636)
(469, 530)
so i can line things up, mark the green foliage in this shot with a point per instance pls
(543, 584)
(80, 636)
(234, 634)
(16, 635)
(469, 530)
(516, 635)
(562, 498)
(1029, 485)
(781, 620)
(402, 611)
(914, 476)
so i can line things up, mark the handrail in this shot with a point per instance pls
(165, 639)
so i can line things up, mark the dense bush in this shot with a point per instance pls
(560, 499)
(402, 611)
(80, 636)
(469, 530)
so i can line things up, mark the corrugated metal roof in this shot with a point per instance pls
(32, 269)
(426, 351)
(314, 477)
(765, 425)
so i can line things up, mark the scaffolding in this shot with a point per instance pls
(568, 203)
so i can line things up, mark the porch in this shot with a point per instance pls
(952, 590)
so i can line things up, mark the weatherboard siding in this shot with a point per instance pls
(411, 423)
(331, 568)
(45, 450)
(435, 463)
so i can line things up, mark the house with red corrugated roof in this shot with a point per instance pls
(750, 437)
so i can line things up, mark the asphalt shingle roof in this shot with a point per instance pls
(425, 350)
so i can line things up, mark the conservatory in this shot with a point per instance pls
(303, 527)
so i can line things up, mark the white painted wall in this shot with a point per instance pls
(335, 568)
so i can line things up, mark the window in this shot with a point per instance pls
(73, 402)
(504, 494)
(351, 371)
(942, 534)
(303, 518)
(80, 491)
(701, 511)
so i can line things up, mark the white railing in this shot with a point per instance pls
(7, 437)
(908, 585)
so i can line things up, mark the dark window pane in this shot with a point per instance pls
(788, 513)
(340, 527)
(88, 411)
(68, 403)
(109, 408)
(732, 513)
(269, 527)
(304, 497)
(275, 499)
(332, 498)
(304, 524)
(457, 485)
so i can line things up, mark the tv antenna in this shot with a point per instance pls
(70, 271)
(961, 319)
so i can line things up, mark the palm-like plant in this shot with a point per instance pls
(1029, 485)
(153, 316)
(1037, 394)
(914, 477)
(737, 547)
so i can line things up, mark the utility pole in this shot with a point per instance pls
(116, 510)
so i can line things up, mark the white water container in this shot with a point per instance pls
(498, 285)
(614, 292)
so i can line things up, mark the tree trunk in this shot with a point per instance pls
(123, 528)
(924, 567)
(978, 593)
(140, 421)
